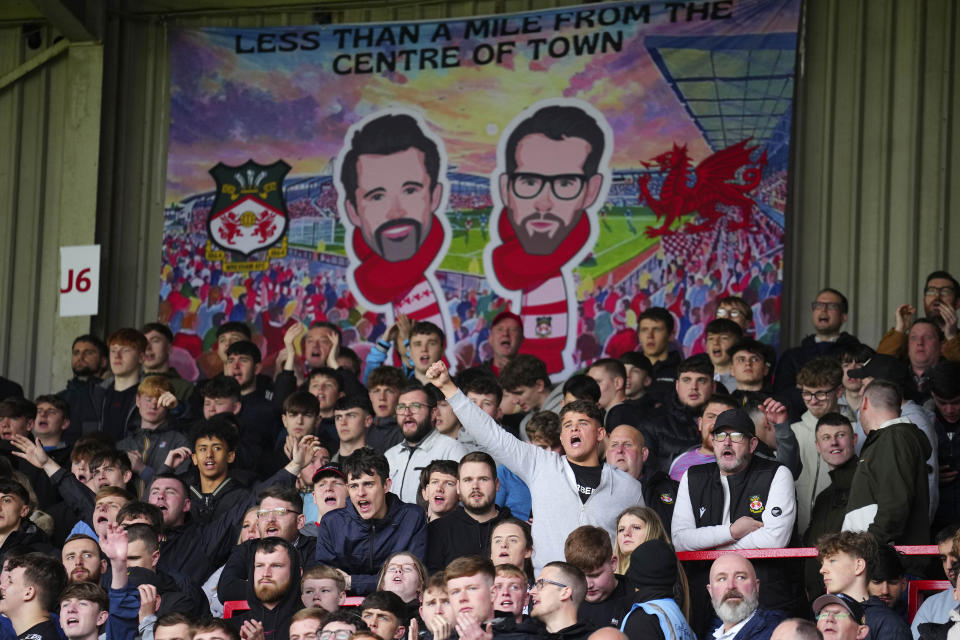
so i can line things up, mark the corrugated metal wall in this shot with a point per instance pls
(876, 164)
(876, 189)
(49, 151)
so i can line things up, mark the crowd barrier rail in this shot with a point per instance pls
(792, 552)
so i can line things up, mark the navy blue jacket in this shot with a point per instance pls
(360, 547)
(761, 625)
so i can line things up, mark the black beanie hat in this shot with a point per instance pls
(653, 563)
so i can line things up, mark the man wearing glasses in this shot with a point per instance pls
(555, 597)
(422, 443)
(762, 507)
(551, 179)
(820, 387)
(940, 303)
(828, 314)
(741, 501)
(840, 617)
(280, 515)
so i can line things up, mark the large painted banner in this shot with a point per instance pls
(574, 166)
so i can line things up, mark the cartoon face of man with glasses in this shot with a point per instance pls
(552, 177)
(553, 180)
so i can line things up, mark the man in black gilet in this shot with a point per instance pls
(741, 501)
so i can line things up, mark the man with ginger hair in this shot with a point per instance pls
(150, 446)
(118, 395)
(274, 581)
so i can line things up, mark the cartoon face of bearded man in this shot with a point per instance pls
(551, 178)
(392, 191)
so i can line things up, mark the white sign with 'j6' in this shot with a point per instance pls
(79, 280)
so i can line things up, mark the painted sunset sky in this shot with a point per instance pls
(228, 107)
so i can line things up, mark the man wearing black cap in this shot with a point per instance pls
(840, 617)
(506, 334)
(741, 501)
(889, 495)
(759, 492)
(653, 573)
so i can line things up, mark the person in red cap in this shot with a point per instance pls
(551, 178)
(506, 336)
(329, 493)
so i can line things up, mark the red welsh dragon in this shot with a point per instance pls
(717, 185)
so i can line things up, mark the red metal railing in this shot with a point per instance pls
(792, 552)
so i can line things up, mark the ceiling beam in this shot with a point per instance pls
(64, 19)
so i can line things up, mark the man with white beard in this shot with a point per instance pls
(735, 593)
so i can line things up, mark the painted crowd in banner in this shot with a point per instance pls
(575, 166)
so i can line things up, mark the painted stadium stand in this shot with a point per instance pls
(734, 88)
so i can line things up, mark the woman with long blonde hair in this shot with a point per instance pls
(636, 525)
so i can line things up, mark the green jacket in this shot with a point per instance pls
(889, 495)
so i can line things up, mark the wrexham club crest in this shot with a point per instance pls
(248, 213)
